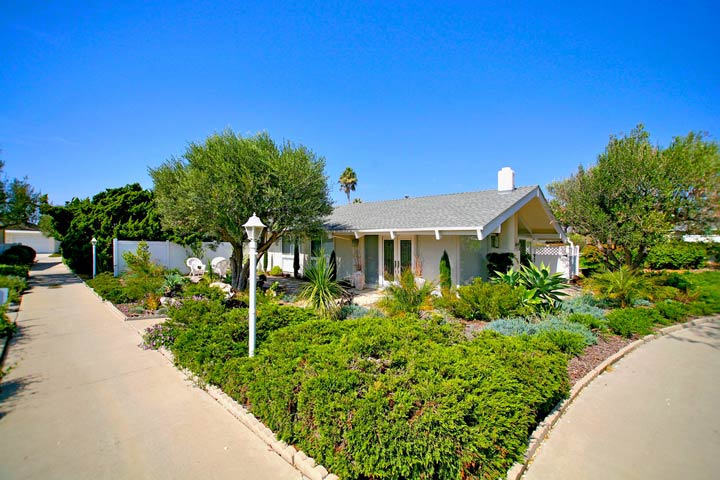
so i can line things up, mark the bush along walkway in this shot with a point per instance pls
(82, 401)
(651, 414)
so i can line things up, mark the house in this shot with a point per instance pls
(383, 238)
(31, 236)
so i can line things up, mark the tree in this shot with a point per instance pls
(20, 203)
(217, 185)
(127, 212)
(638, 194)
(348, 182)
(445, 271)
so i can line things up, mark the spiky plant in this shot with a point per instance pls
(321, 291)
(406, 296)
(620, 287)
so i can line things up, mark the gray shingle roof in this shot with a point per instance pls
(460, 210)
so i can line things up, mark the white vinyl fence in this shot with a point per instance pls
(564, 259)
(168, 254)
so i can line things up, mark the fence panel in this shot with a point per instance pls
(168, 254)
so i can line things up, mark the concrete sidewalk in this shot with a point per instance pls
(83, 401)
(656, 415)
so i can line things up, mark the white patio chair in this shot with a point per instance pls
(220, 266)
(196, 266)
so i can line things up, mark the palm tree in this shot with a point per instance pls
(348, 181)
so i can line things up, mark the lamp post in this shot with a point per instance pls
(253, 228)
(94, 244)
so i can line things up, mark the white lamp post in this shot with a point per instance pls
(94, 244)
(253, 228)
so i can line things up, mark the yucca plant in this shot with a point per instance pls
(620, 287)
(406, 296)
(321, 292)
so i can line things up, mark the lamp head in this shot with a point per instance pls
(253, 228)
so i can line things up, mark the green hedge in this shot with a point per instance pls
(18, 255)
(676, 255)
(207, 334)
(17, 270)
(390, 399)
(15, 285)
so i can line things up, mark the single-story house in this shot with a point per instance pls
(383, 238)
(31, 236)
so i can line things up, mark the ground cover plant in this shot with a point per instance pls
(401, 397)
(204, 333)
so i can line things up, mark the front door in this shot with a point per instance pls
(397, 256)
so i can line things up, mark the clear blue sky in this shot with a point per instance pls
(420, 99)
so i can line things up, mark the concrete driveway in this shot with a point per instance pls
(84, 402)
(655, 415)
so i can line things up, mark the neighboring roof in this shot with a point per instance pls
(459, 211)
(23, 228)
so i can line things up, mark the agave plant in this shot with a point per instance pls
(322, 292)
(542, 289)
(512, 277)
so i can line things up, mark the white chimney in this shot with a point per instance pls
(506, 180)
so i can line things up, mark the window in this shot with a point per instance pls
(288, 246)
(315, 246)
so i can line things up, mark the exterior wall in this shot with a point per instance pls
(168, 254)
(344, 257)
(430, 251)
(33, 239)
(473, 262)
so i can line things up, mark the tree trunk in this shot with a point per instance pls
(236, 266)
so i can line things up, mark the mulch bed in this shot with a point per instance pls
(594, 355)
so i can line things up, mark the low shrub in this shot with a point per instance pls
(6, 326)
(15, 285)
(672, 310)
(207, 334)
(18, 255)
(583, 304)
(276, 271)
(676, 255)
(573, 341)
(570, 343)
(159, 335)
(633, 321)
(590, 321)
(486, 301)
(512, 327)
(706, 293)
(17, 270)
(353, 311)
(499, 262)
(109, 287)
(401, 398)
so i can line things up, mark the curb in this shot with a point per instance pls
(544, 427)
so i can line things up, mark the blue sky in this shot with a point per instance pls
(420, 98)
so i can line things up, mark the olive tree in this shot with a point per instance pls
(215, 186)
(639, 194)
